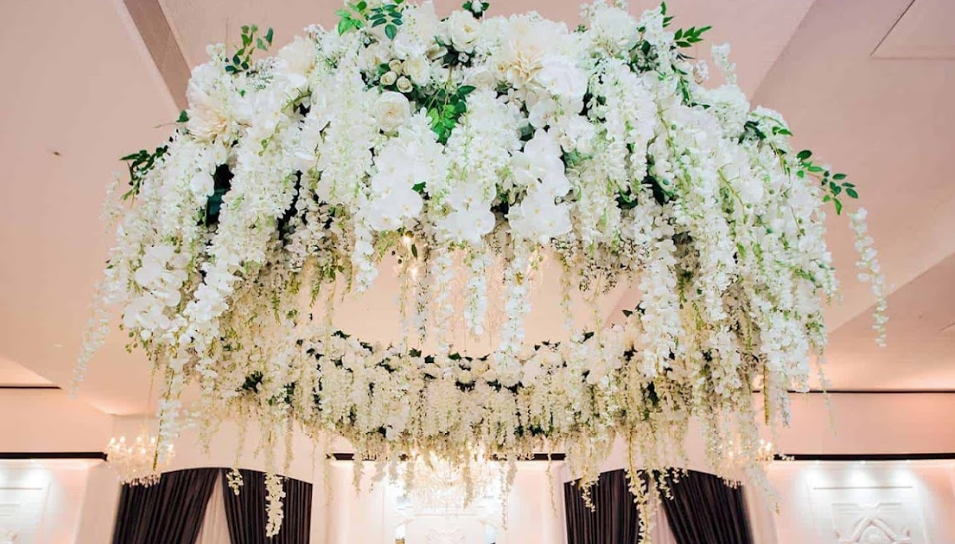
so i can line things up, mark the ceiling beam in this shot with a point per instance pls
(153, 26)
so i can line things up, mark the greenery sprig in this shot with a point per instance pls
(139, 164)
(242, 59)
(356, 16)
(689, 36)
(834, 184)
(446, 108)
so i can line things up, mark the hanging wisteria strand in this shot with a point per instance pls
(489, 142)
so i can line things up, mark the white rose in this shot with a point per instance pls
(395, 65)
(418, 69)
(463, 30)
(563, 78)
(389, 78)
(480, 77)
(392, 110)
(299, 56)
(404, 84)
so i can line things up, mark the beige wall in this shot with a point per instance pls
(50, 421)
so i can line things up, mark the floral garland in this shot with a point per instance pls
(455, 144)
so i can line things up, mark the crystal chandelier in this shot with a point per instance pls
(139, 461)
(432, 484)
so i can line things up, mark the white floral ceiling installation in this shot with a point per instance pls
(462, 145)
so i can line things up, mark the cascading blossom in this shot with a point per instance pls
(464, 146)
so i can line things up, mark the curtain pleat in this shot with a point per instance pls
(247, 516)
(170, 512)
(215, 526)
(614, 519)
(703, 509)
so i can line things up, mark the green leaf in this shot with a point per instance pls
(269, 35)
(627, 313)
(419, 187)
(852, 192)
(804, 154)
(414, 251)
(378, 22)
(391, 31)
(839, 176)
(361, 6)
(343, 26)
(183, 117)
(838, 204)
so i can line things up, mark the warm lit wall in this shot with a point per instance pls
(534, 514)
(42, 502)
(49, 421)
(855, 502)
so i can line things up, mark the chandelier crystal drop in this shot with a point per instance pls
(433, 485)
(474, 157)
(138, 462)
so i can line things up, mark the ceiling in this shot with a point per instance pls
(95, 80)
(16, 375)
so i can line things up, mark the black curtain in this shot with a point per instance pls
(169, 512)
(247, 517)
(614, 519)
(703, 509)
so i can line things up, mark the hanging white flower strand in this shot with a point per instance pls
(495, 140)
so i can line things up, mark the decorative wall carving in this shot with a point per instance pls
(881, 523)
(21, 514)
(867, 505)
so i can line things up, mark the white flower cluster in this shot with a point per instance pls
(871, 272)
(479, 140)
